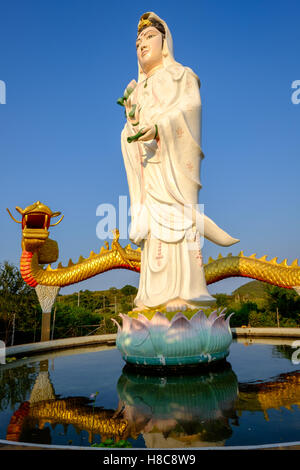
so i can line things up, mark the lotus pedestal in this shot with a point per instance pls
(180, 342)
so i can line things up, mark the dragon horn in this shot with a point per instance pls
(58, 222)
(15, 220)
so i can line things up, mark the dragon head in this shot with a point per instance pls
(36, 220)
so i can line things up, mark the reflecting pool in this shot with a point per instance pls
(86, 396)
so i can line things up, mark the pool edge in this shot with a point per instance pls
(64, 343)
(11, 445)
(110, 339)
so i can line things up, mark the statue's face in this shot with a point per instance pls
(149, 48)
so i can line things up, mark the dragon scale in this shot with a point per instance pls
(279, 274)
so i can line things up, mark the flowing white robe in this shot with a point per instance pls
(164, 182)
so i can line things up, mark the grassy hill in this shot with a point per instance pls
(252, 290)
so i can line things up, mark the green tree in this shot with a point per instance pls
(19, 305)
(286, 300)
(263, 318)
(11, 282)
(129, 290)
(242, 314)
(222, 300)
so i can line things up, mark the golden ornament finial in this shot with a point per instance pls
(144, 22)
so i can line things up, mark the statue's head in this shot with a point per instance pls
(154, 44)
(149, 44)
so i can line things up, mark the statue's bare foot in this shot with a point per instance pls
(176, 304)
(140, 308)
(202, 302)
(194, 306)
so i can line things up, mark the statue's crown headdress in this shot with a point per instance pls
(144, 22)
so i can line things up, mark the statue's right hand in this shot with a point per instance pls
(139, 226)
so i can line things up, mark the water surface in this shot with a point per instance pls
(52, 399)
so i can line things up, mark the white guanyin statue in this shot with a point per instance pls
(161, 146)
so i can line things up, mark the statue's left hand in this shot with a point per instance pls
(149, 133)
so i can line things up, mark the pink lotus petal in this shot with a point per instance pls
(137, 325)
(119, 327)
(143, 319)
(126, 322)
(178, 315)
(139, 331)
(160, 320)
(179, 338)
(181, 323)
(213, 316)
(220, 337)
(228, 320)
(222, 310)
(219, 321)
(200, 320)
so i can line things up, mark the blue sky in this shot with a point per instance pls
(65, 62)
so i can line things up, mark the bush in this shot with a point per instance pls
(222, 300)
(288, 323)
(69, 321)
(242, 313)
(262, 319)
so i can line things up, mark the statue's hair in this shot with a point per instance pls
(156, 24)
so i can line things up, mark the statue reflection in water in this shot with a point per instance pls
(154, 411)
(194, 410)
(186, 411)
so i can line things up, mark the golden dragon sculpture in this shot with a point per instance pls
(73, 410)
(38, 249)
